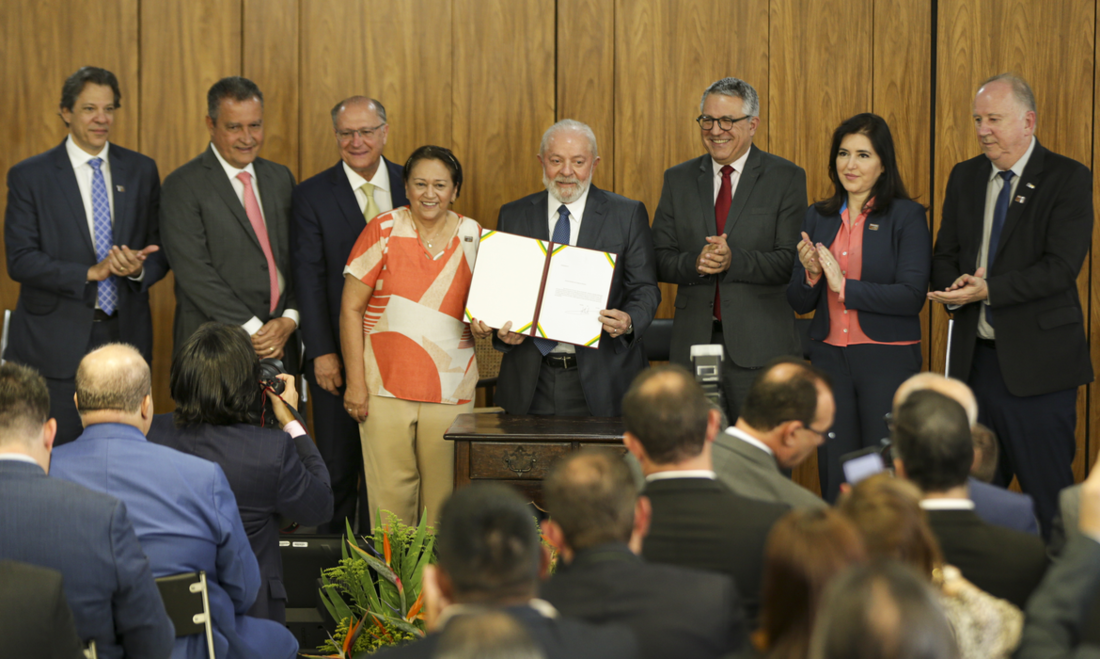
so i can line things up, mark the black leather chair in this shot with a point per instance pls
(658, 340)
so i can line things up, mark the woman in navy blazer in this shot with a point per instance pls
(864, 274)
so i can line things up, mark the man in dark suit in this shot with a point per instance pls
(225, 219)
(786, 398)
(1016, 225)
(330, 210)
(35, 618)
(183, 509)
(81, 236)
(490, 558)
(725, 232)
(933, 449)
(84, 535)
(597, 521)
(698, 521)
(543, 377)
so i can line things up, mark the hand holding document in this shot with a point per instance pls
(544, 289)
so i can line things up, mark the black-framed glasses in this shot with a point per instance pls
(825, 436)
(365, 133)
(888, 419)
(706, 122)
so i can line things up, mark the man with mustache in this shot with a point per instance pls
(543, 377)
(226, 219)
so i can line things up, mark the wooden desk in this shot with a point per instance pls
(519, 450)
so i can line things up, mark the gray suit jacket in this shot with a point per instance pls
(752, 473)
(221, 272)
(763, 230)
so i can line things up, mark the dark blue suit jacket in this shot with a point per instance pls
(271, 474)
(1002, 507)
(50, 249)
(892, 288)
(611, 223)
(88, 538)
(325, 223)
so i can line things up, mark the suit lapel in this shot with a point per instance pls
(1032, 174)
(272, 217)
(705, 184)
(219, 183)
(397, 184)
(980, 185)
(123, 192)
(595, 209)
(71, 191)
(537, 218)
(345, 198)
(745, 183)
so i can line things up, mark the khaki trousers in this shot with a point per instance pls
(407, 464)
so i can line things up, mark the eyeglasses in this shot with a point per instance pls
(825, 436)
(365, 133)
(888, 419)
(706, 122)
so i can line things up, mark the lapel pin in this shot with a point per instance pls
(872, 227)
(468, 239)
(1031, 185)
(1020, 199)
(120, 188)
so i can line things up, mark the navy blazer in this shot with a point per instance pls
(893, 283)
(325, 223)
(87, 537)
(271, 474)
(50, 249)
(1002, 507)
(611, 223)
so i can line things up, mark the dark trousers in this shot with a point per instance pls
(736, 380)
(62, 391)
(865, 378)
(1035, 434)
(339, 445)
(558, 392)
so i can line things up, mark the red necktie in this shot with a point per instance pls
(721, 210)
(252, 209)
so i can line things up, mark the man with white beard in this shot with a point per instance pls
(538, 376)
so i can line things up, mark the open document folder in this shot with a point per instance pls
(547, 290)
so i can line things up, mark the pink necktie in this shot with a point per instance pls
(252, 209)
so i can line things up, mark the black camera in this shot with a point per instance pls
(269, 369)
(706, 362)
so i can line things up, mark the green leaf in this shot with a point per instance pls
(381, 568)
(409, 562)
(335, 604)
(426, 558)
(404, 626)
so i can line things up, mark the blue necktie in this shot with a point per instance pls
(1000, 210)
(107, 291)
(561, 237)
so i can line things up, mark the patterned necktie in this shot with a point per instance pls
(721, 210)
(107, 291)
(561, 237)
(256, 219)
(371, 209)
(1000, 210)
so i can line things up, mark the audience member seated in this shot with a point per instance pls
(887, 512)
(993, 504)
(1058, 622)
(35, 618)
(215, 383)
(787, 398)
(805, 550)
(986, 453)
(881, 611)
(184, 512)
(487, 635)
(84, 535)
(697, 520)
(933, 449)
(490, 558)
(595, 512)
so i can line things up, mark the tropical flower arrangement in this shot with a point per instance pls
(375, 592)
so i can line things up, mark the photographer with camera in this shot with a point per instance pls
(221, 390)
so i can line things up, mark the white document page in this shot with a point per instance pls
(505, 285)
(577, 286)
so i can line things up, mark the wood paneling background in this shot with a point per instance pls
(487, 77)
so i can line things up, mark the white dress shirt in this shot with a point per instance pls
(749, 439)
(381, 183)
(735, 176)
(947, 504)
(686, 473)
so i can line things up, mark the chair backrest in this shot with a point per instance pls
(488, 359)
(658, 340)
(187, 601)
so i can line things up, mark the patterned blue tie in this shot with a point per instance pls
(1000, 210)
(561, 237)
(107, 294)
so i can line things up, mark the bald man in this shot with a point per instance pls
(184, 512)
(993, 504)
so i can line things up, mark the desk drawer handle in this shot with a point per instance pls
(519, 456)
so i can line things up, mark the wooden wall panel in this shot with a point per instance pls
(586, 75)
(399, 53)
(503, 73)
(269, 55)
(1092, 302)
(666, 54)
(1049, 44)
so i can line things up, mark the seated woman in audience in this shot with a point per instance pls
(863, 267)
(408, 351)
(805, 549)
(887, 511)
(215, 381)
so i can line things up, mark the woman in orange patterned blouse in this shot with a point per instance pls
(408, 353)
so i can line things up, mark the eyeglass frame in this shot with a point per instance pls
(825, 436)
(701, 119)
(340, 134)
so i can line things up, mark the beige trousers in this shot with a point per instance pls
(408, 465)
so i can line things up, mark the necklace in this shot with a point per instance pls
(430, 241)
